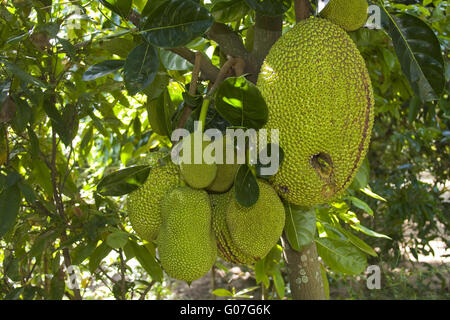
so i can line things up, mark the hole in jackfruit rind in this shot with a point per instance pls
(323, 165)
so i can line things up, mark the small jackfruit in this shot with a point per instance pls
(225, 171)
(255, 230)
(186, 243)
(143, 204)
(225, 245)
(318, 91)
(197, 175)
(350, 15)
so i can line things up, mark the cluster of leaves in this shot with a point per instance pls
(97, 86)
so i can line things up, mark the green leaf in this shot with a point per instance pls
(370, 193)
(57, 288)
(172, 61)
(23, 116)
(117, 240)
(9, 208)
(140, 68)
(98, 255)
(159, 114)
(11, 268)
(157, 87)
(362, 176)
(246, 187)
(68, 47)
(126, 152)
(41, 243)
(360, 204)
(175, 23)
(240, 102)
(326, 285)
(368, 231)
(359, 243)
(222, 293)
(419, 52)
(147, 261)
(269, 7)
(22, 75)
(300, 225)
(102, 69)
(82, 252)
(229, 11)
(121, 7)
(261, 274)
(123, 181)
(278, 281)
(341, 256)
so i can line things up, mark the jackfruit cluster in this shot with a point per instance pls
(143, 205)
(350, 15)
(319, 95)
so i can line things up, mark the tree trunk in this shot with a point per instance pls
(305, 276)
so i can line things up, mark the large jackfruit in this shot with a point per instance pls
(319, 95)
(186, 243)
(226, 247)
(255, 230)
(350, 15)
(197, 175)
(143, 205)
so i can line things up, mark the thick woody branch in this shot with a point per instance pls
(267, 31)
(303, 9)
(305, 275)
(231, 45)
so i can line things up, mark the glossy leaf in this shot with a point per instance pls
(300, 225)
(246, 187)
(140, 68)
(229, 11)
(341, 256)
(159, 113)
(117, 239)
(240, 102)
(98, 255)
(419, 53)
(22, 75)
(121, 7)
(269, 7)
(123, 181)
(9, 208)
(172, 61)
(175, 23)
(102, 69)
(147, 261)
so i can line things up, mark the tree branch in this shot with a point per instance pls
(305, 275)
(231, 44)
(267, 31)
(302, 9)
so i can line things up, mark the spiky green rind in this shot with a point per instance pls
(320, 98)
(350, 15)
(225, 245)
(186, 243)
(143, 205)
(255, 230)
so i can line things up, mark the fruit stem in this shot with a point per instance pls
(203, 112)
